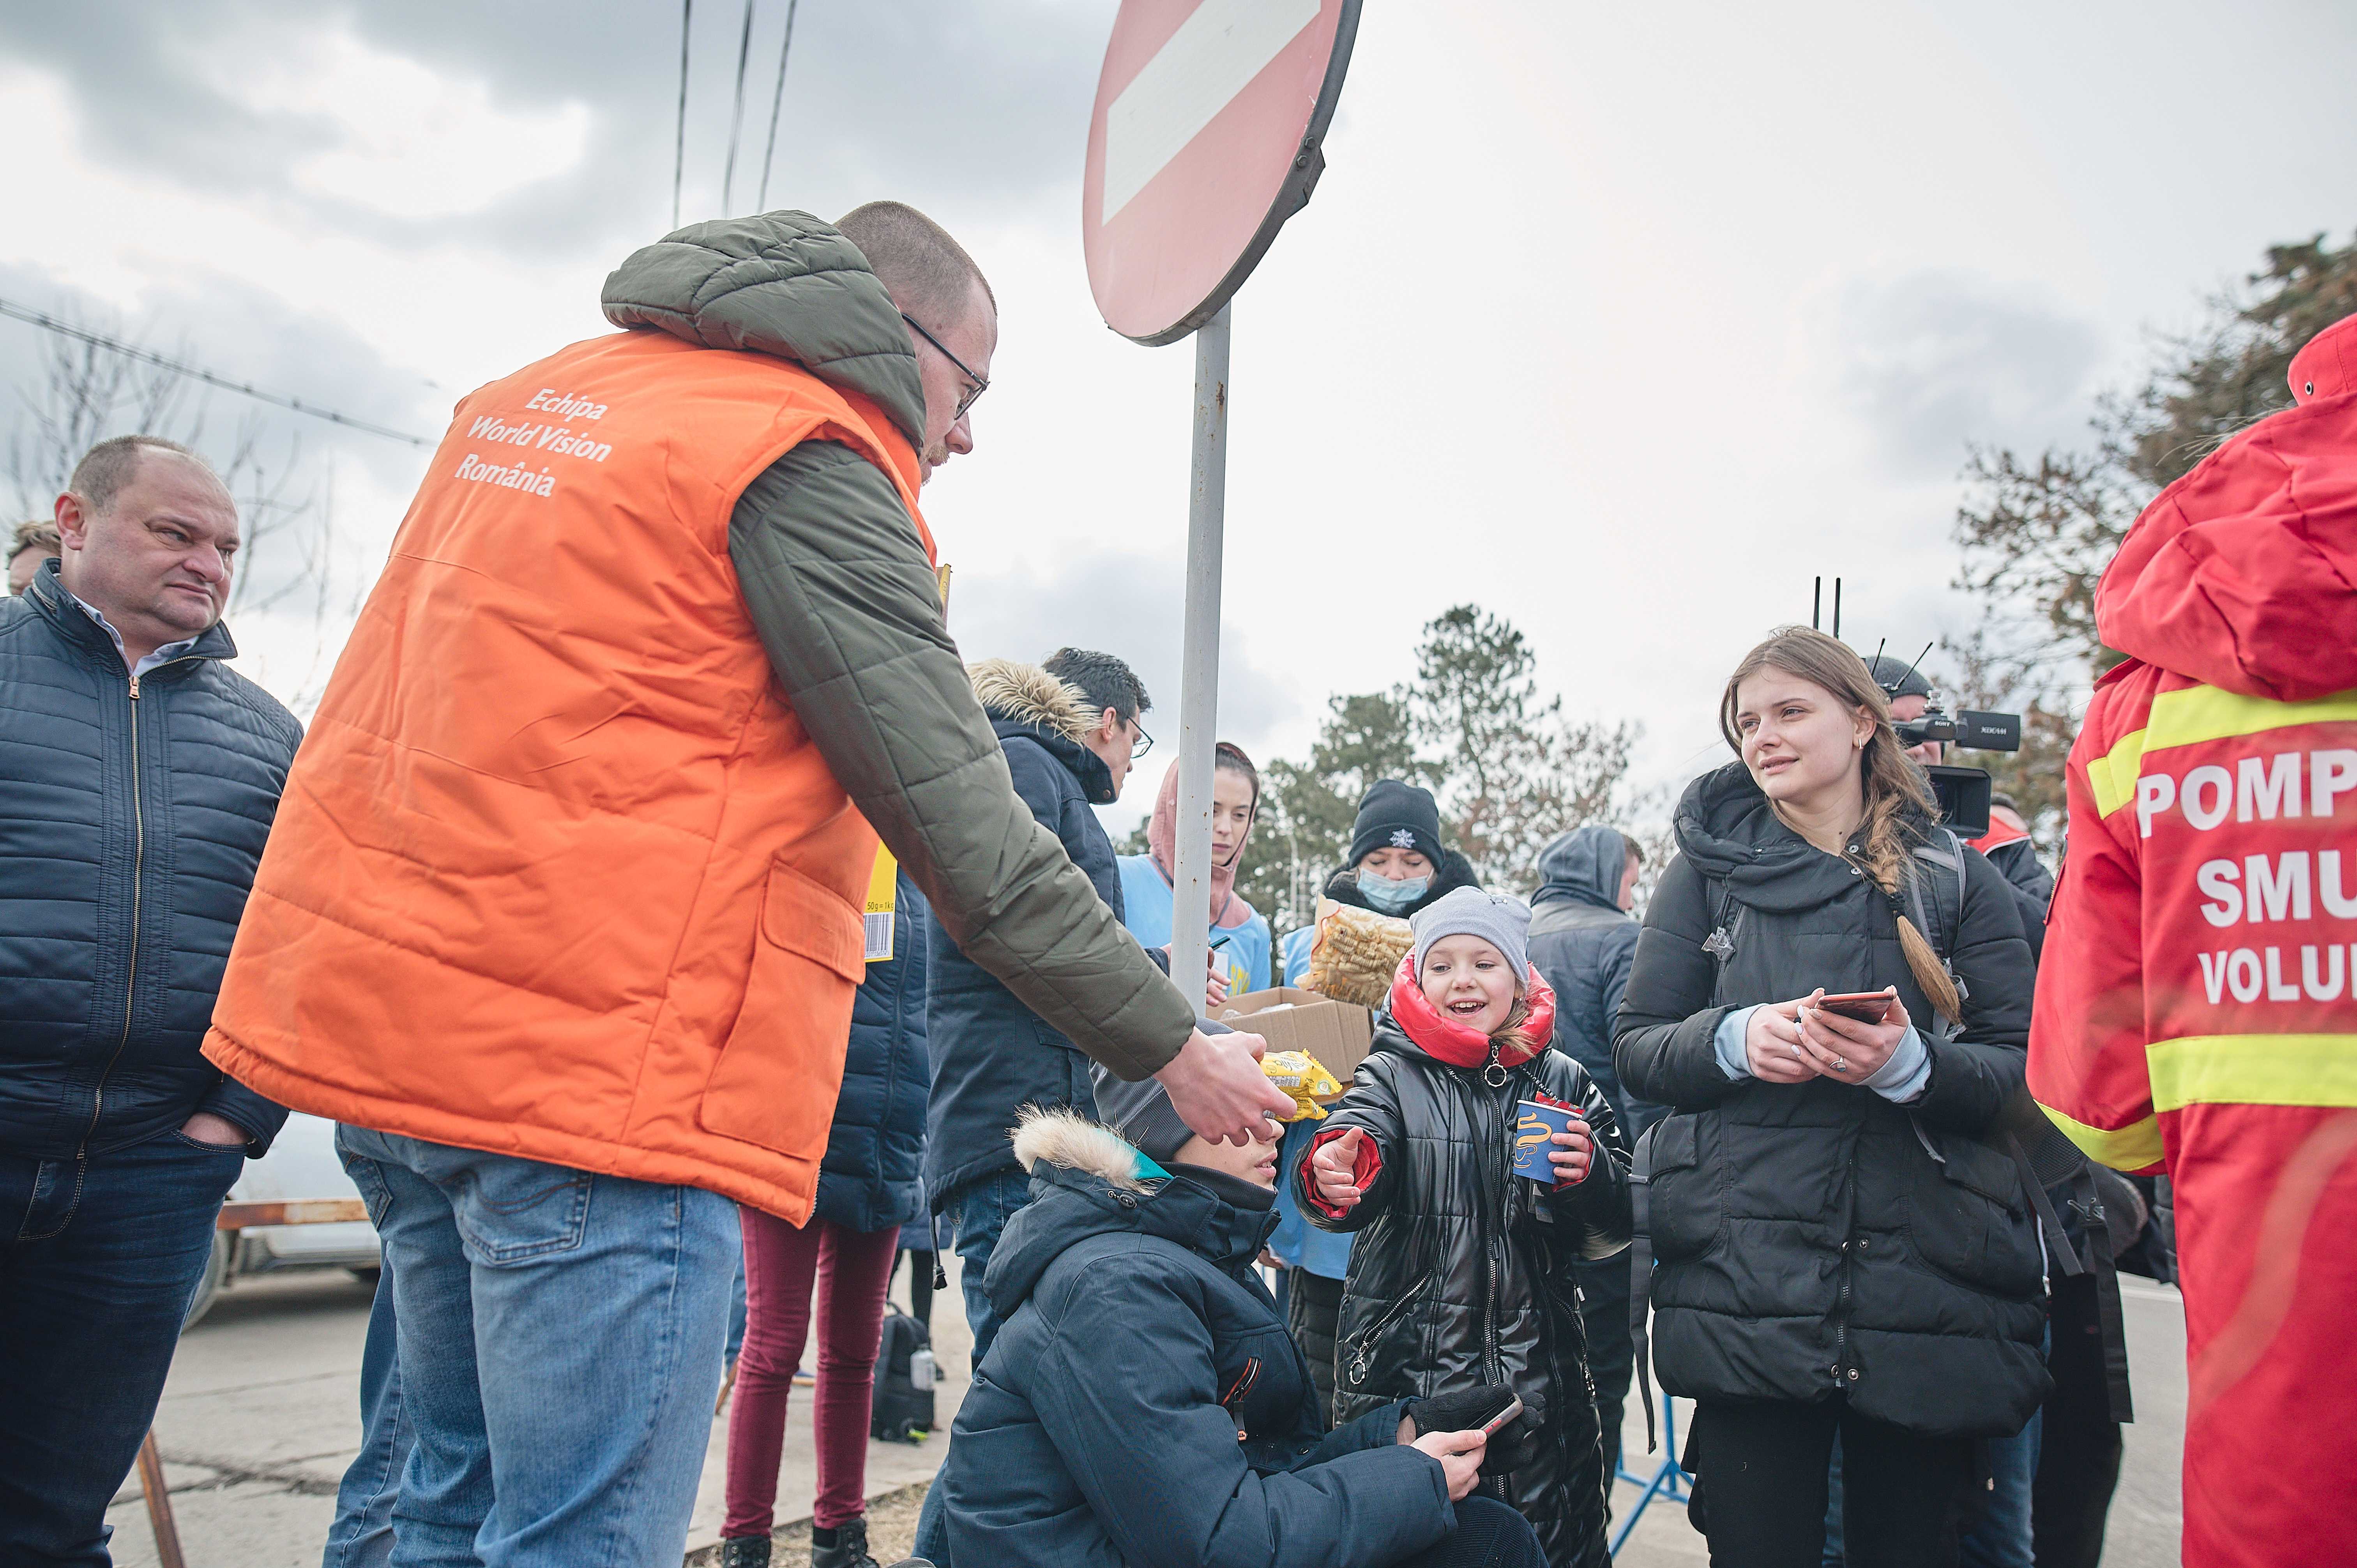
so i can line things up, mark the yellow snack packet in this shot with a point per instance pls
(1303, 1076)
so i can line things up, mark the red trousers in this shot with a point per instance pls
(852, 1268)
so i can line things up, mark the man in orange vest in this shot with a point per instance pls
(562, 915)
(2197, 1006)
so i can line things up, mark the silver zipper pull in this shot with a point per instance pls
(134, 687)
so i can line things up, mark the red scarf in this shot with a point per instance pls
(1449, 1041)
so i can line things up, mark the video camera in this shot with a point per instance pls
(1963, 793)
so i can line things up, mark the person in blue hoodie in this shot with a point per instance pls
(1583, 939)
(1239, 933)
(1145, 1405)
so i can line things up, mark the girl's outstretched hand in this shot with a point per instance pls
(1573, 1151)
(1334, 1165)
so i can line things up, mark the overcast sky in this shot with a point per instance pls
(1621, 321)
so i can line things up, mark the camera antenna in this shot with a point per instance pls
(1919, 660)
(1836, 606)
(1817, 605)
(1877, 659)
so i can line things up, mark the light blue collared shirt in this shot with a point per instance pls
(163, 655)
(1901, 1081)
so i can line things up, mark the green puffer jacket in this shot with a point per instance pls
(845, 602)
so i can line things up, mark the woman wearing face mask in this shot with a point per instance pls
(1397, 866)
(1240, 940)
(1839, 1249)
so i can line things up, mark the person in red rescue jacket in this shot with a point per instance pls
(2197, 1009)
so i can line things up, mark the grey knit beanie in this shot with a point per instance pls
(1142, 1113)
(1501, 921)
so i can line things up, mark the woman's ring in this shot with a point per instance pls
(1841, 1063)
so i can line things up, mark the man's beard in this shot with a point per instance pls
(937, 454)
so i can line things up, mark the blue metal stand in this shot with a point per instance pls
(1668, 1482)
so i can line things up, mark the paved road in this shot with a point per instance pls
(261, 1416)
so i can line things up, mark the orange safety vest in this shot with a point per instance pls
(557, 873)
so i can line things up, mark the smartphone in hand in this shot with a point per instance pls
(1512, 1411)
(1863, 1006)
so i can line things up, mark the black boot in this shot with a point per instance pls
(850, 1548)
(745, 1551)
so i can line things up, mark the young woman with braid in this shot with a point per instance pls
(1840, 1250)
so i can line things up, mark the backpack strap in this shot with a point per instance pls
(1935, 902)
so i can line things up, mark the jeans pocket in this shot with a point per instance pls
(369, 1177)
(187, 1143)
(513, 1210)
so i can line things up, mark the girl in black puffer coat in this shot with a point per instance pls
(1839, 1249)
(1462, 1274)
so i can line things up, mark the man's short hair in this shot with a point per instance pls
(1105, 680)
(108, 466)
(1635, 852)
(929, 273)
(39, 534)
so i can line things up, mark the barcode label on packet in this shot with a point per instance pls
(879, 935)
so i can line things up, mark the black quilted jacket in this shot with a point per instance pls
(1815, 1238)
(1463, 1272)
(129, 831)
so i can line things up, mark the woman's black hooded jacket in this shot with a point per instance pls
(1816, 1238)
(1463, 1275)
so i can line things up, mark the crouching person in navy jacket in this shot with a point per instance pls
(1144, 1403)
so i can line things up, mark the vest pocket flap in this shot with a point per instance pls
(803, 918)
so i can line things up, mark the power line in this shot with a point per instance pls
(762, 202)
(145, 356)
(679, 147)
(736, 115)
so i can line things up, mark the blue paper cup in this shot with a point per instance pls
(1536, 1126)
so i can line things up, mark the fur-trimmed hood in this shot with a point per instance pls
(1067, 1139)
(1087, 1181)
(1028, 705)
(1029, 695)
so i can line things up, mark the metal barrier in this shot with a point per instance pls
(1668, 1482)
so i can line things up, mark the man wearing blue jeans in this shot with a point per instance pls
(142, 778)
(614, 1290)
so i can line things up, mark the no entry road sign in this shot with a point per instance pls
(1206, 138)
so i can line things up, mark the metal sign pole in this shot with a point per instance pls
(1199, 692)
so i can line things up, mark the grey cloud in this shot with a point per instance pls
(974, 103)
(1128, 606)
(1935, 361)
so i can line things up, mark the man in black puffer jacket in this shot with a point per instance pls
(142, 776)
(1583, 939)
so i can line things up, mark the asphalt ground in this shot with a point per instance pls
(261, 1415)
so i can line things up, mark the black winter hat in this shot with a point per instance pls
(1397, 816)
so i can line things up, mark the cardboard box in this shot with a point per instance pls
(1291, 1019)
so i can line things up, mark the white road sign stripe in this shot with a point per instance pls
(1213, 57)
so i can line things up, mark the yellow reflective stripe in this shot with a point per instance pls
(2113, 777)
(2128, 1148)
(2205, 712)
(2253, 1069)
(2195, 715)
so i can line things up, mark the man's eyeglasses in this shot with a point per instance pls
(973, 392)
(1145, 741)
